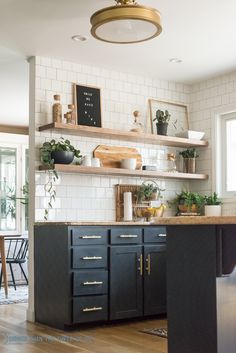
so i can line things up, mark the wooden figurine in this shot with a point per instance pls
(69, 116)
(73, 115)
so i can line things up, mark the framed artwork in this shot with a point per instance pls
(179, 115)
(87, 102)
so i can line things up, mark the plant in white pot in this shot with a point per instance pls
(212, 205)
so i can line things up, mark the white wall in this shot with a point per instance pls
(14, 89)
(85, 198)
(206, 98)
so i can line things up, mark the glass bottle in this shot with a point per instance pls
(57, 109)
(137, 126)
(171, 158)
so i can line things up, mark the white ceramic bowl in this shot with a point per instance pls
(129, 163)
(190, 134)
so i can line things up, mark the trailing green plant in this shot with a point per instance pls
(47, 160)
(212, 199)
(162, 117)
(189, 199)
(147, 190)
(50, 190)
(53, 146)
(189, 153)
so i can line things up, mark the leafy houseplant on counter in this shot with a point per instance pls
(188, 202)
(148, 200)
(162, 119)
(189, 160)
(212, 205)
(61, 152)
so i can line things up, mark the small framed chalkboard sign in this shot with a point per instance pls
(88, 105)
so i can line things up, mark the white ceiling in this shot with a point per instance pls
(201, 33)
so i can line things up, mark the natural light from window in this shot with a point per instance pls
(231, 155)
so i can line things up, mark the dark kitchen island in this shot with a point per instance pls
(201, 286)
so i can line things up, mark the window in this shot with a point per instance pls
(13, 185)
(226, 158)
(8, 188)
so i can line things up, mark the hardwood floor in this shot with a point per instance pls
(17, 336)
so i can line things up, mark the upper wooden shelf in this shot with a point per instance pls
(72, 168)
(124, 135)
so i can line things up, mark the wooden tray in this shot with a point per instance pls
(111, 156)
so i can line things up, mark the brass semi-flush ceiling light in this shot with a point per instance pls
(127, 22)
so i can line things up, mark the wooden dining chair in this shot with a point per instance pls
(16, 253)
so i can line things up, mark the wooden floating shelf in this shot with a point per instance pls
(124, 135)
(72, 168)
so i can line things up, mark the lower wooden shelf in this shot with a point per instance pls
(72, 168)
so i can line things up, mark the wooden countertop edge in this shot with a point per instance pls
(184, 220)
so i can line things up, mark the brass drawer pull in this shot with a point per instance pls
(92, 258)
(128, 236)
(92, 283)
(161, 235)
(140, 268)
(92, 309)
(90, 237)
(148, 268)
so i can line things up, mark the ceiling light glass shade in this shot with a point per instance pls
(125, 24)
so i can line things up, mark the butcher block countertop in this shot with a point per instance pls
(192, 220)
(188, 220)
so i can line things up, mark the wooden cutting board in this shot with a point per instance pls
(111, 156)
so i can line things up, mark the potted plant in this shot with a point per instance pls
(189, 160)
(162, 119)
(148, 201)
(212, 205)
(188, 202)
(61, 152)
(149, 191)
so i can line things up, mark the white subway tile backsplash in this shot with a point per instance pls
(51, 73)
(121, 94)
(57, 64)
(46, 61)
(56, 86)
(62, 75)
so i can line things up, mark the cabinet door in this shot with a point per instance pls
(154, 279)
(126, 270)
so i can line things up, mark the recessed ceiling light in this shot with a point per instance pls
(175, 60)
(79, 38)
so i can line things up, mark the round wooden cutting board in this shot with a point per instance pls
(111, 156)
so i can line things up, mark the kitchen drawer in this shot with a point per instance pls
(89, 257)
(90, 282)
(89, 235)
(88, 309)
(155, 235)
(126, 235)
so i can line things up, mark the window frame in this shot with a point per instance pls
(219, 162)
(20, 177)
